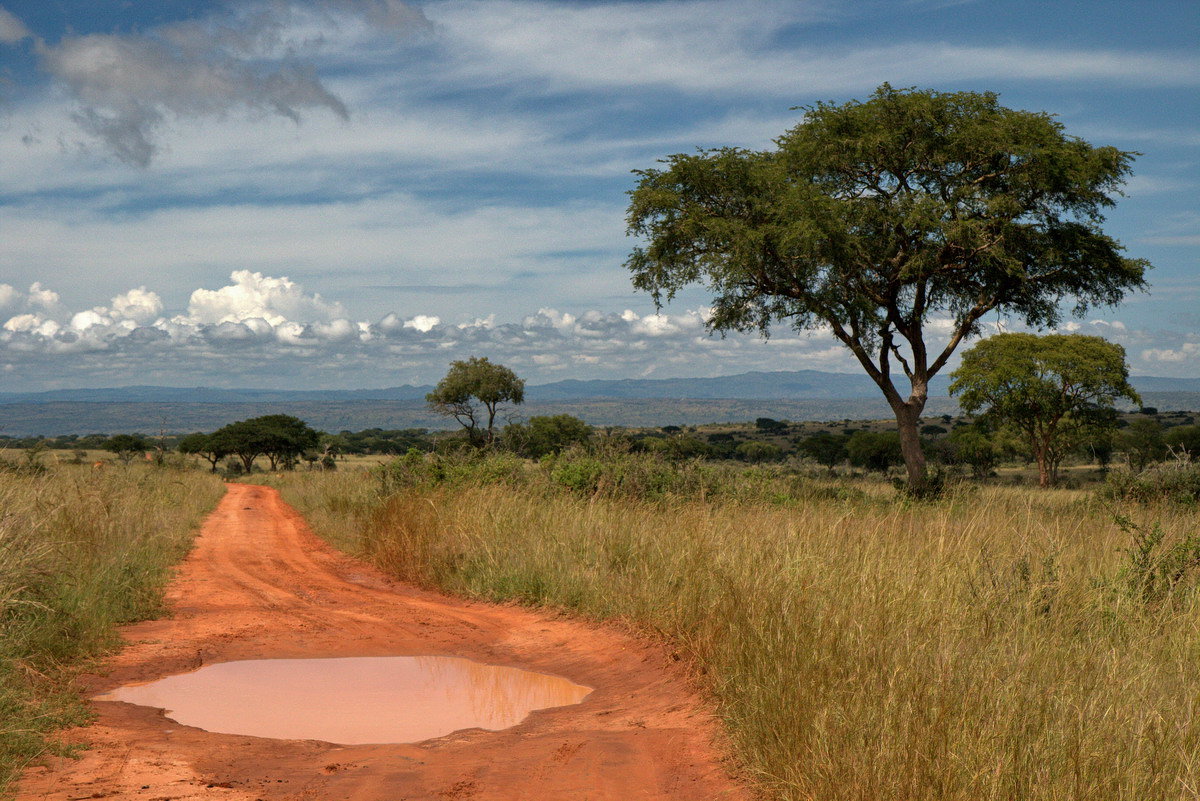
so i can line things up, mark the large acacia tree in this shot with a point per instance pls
(873, 219)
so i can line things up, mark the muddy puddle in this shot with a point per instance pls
(391, 699)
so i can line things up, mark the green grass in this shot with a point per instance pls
(82, 551)
(994, 645)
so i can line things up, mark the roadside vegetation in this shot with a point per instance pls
(1000, 642)
(82, 551)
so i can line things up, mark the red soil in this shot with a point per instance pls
(259, 585)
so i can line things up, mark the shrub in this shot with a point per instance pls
(1176, 482)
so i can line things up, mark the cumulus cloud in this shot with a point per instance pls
(40, 297)
(1187, 352)
(255, 296)
(139, 305)
(129, 86)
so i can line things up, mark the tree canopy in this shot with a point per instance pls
(473, 392)
(282, 438)
(126, 446)
(872, 218)
(207, 446)
(546, 434)
(1053, 389)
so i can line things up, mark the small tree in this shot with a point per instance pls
(875, 450)
(974, 448)
(1184, 440)
(1053, 389)
(207, 446)
(826, 449)
(870, 218)
(126, 446)
(1144, 443)
(545, 434)
(473, 392)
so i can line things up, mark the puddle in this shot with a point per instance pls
(387, 699)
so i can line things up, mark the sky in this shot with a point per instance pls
(352, 193)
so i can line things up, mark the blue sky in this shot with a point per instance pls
(351, 193)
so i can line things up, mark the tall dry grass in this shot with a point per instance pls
(81, 552)
(996, 645)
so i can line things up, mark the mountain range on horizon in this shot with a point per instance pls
(754, 385)
(791, 395)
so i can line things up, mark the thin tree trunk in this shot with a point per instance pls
(1044, 479)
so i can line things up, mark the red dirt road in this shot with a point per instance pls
(259, 585)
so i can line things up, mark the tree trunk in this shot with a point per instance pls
(907, 416)
(1047, 468)
(1044, 479)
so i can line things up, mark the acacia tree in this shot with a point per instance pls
(126, 446)
(872, 218)
(473, 391)
(207, 446)
(282, 438)
(1053, 389)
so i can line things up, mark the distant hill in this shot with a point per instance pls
(796, 395)
(152, 394)
(796, 385)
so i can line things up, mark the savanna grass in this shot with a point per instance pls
(82, 551)
(997, 644)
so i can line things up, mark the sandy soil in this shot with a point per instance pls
(259, 584)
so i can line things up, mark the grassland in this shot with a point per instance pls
(82, 551)
(1001, 643)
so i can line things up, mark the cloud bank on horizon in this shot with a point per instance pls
(262, 329)
(446, 178)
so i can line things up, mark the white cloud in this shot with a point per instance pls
(41, 298)
(1187, 352)
(255, 296)
(9, 297)
(12, 30)
(138, 305)
(423, 323)
(84, 320)
(730, 47)
(32, 324)
(265, 330)
(128, 86)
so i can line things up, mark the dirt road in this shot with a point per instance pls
(259, 585)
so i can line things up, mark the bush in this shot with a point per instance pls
(1184, 440)
(875, 450)
(456, 468)
(1175, 482)
(755, 451)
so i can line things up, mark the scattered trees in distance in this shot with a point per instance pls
(869, 217)
(1053, 389)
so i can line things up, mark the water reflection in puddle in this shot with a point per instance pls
(389, 699)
